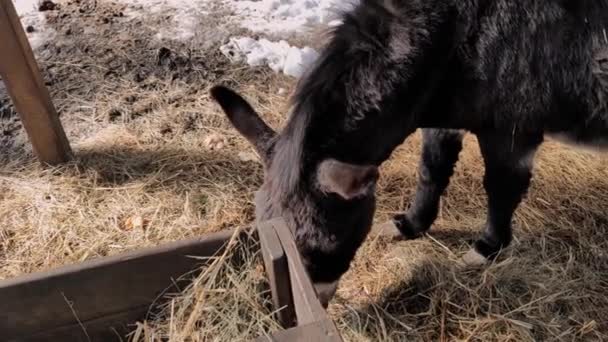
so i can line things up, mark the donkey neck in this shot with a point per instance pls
(373, 80)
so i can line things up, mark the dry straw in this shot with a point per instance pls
(228, 301)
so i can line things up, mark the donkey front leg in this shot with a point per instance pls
(440, 149)
(508, 162)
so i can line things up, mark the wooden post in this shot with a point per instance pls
(308, 308)
(277, 269)
(319, 331)
(25, 85)
(313, 322)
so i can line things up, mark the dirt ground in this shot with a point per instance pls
(157, 161)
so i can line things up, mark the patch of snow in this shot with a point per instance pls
(281, 17)
(185, 15)
(279, 56)
(288, 16)
(29, 16)
(25, 6)
(276, 17)
(298, 60)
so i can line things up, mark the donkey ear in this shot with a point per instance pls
(245, 119)
(347, 180)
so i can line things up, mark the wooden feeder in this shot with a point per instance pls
(98, 300)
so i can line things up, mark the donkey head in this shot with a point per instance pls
(328, 203)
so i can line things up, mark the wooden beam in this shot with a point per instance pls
(100, 299)
(308, 307)
(277, 269)
(25, 85)
(320, 331)
(112, 327)
(100, 295)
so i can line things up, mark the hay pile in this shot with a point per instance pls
(157, 161)
(228, 301)
(551, 285)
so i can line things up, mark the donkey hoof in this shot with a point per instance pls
(409, 228)
(473, 258)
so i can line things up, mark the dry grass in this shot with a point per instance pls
(145, 137)
(227, 302)
(151, 168)
(551, 285)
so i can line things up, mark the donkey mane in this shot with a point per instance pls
(357, 69)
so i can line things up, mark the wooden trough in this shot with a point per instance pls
(101, 299)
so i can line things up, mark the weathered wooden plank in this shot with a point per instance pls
(308, 308)
(307, 305)
(99, 289)
(320, 331)
(277, 269)
(25, 85)
(104, 329)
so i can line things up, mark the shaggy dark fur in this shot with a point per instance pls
(508, 71)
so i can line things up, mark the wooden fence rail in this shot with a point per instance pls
(100, 300)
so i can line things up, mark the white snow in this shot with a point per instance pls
(25, 6)
(298, 60)
(185, 15)
(29, 15)
(269, 16)
(281, 17)
(288, 16)
(279, 56)
(272, 17)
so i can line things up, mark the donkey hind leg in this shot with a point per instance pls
(508, 162)
(440, 149)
